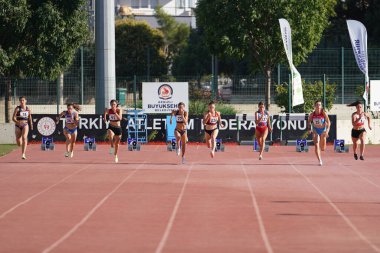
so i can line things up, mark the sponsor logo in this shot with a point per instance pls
(165, 92)
(46, 126)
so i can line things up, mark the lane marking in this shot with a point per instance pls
(2, 216)
(255, 204)
(90, 213)
(341, 214)
(361, 176)
(169, 226)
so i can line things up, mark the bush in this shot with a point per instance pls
(311, 93)
(199, 107)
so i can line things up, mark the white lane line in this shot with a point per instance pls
(2, 216)
(341, 214)
(361, 176)
(169, 226)
(263, 232)
(90, 213)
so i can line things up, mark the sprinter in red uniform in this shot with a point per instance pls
(263, 126)
(320, 122)
(210, 121)
(358, 131)
(22, 116)
(114, 128)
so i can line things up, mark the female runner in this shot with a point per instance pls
(71, 126)
(263, 125)
(22, 116)
(114, 127)
(358, 131)
(211, 120)
(180, 130)
(321, 127)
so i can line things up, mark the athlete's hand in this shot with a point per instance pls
(310, 131)
(370, 128)
(327, 134)
(270, 129)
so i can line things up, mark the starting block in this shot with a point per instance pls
(256, 146)
(219, 146)
(339, 146)
(301, 146)
(172, 146)
(89, 144)
(133, 145)
(47, 143)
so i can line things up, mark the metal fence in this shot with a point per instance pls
(338, 64)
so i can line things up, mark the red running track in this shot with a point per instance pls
(151, 203)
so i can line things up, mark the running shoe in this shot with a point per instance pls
(361, 158)
(356, 156)
(116, 159)
(67, 154)
(23, 157)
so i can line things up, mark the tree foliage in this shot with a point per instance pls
(175, 34)
(133, 40)
(40, 38)
(311, 93)
(250, 28)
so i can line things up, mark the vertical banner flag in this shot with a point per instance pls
(358, 36)
(297, 93)
(375, 95)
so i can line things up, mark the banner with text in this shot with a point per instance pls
(164, 97)
(358, 36)
(375, 95)
(91, 125)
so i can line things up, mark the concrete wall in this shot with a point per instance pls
(344, 131)
(7, 131)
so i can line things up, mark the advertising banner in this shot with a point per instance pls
(163, 97)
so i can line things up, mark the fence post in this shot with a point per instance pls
(81, 75)
(58, 94)
(148, 64)
(324, 90)
(278, 73)
(290, 93)
(134, 92)
(342, 75)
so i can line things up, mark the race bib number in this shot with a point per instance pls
(24, 114)
(113, 117)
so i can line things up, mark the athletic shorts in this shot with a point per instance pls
(70, 131)
(356, 133)
(115, 130)
(319, 131)
(261, 129)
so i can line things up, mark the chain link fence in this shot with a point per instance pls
(77, 84)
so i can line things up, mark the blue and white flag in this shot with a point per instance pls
(358, 36)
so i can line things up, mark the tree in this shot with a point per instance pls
(133, 40)
(365, 11)
(251, 29)
(39, 39)
(311, 93)
(175, 34)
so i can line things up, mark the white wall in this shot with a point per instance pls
(344, 131)
(7, 131)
